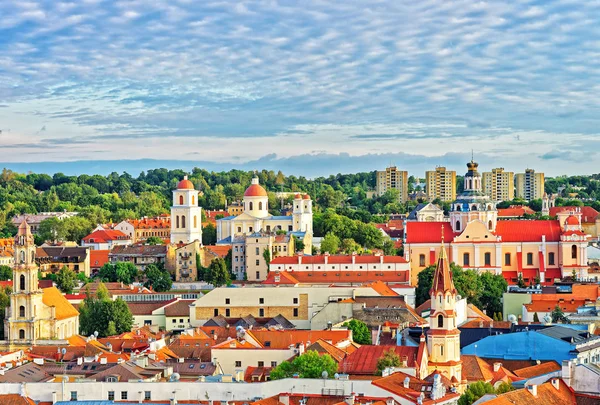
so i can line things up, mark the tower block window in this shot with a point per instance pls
(22, 283)
(440, 321)
(22, 311)
(183, 221)
(574, 252)
(180, 200)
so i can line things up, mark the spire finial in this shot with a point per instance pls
(442, 234)
(471, 155)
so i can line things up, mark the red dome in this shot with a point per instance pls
(185, 184)
(572, 220)
(306, 197)
(297, 197)
(255, 190)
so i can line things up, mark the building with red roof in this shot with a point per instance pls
(514, 211)
(106, 239)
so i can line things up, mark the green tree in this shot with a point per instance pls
(209, 234)
(217, 273)
(154, 240)
(4, 303)
(123, 272)
(267, 256)
(298, 244)
(5, 273)
(158, 278)
(330, 244)
(504, 387)
(521, 281)
(389, 358)
(493, 288)
(308, 365)
(475, 391)
(361, 333)
(424, 282)
(468, 284)
(66, 280)
(101, 314)
(536, 318)
(559, 316)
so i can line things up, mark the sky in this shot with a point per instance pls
(311, 87)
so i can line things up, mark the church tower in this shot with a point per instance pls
(302, 214)
(186, 215)
(23, 325)
(443, 336)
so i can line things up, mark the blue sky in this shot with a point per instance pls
(414, 83)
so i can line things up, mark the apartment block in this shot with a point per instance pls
(498, 184)
(530, 185)
(440, 183)
(392, 178)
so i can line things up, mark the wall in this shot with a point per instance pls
(333, 312)
(226, 357)
(512, 303)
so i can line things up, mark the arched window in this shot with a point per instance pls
(440, 321)
(193, 200)
(458, 225)
(21, 333)
(177, 221)
(195, 221)
(465, 259)
(474, 208)
(574, 252)
(458, 207)
(441, 350)
(180, 200)
(22, 282)
(260, 205)
(251, 205)
(22, 256)
(490, 225)
(489, 207)
(22, 311)
(183, 221)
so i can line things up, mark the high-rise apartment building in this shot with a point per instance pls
(392, 178)
(530, 185)
(440, 183)
(499, 185)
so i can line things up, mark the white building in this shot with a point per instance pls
(186, 215)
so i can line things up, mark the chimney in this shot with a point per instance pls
(381, 257)
(54, 397)
(532, 389)
(79, 361)
(349, 400)
(353, 258)
(284, 398)
(326, 258)
(555, 383)
(103, 360)
(406, 382)
(141, 397)
(497, 367)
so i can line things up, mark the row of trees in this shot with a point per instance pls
(483, 290)
(101, 314)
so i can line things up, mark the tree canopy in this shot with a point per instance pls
(158, 278)
(103, 315)
(66, 280)
(217, 273)
(308, 365)
(361, 333)
(389, 358)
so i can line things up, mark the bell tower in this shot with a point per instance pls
(443, 336)
(26, 299)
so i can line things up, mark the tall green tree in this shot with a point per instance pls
(361, 333)
(154, 240)
(218, 274)
(5, 273)
(66, 280)
(330, 244)
(308, 365)
(209, 234)
(559, 316)
(475, 391)
(494, 286)
(101, 314)
(389, 358)
(158, 278)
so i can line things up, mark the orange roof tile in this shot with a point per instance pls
(538, 369)
(547, 394)
(98, 258)
(105, 235)
(337, 259)
(382, 288)
(281, 339)
(52, 297)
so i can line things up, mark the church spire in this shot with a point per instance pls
(442, 277)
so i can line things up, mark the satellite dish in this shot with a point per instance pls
(174, 377)
(336, 376)
(512, 318)
(325, 374)
(63, 351)
(96, 334)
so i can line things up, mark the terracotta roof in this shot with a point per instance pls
(220, 251)
(364, 359)
(382, 288)
(547, 394)
(423, 307)
(572, 220)
(255, 190)
(323, 347)
(147, 307)
(15, 399)
(185, 184)
(476, 369)
(280, 278)
(539, 369)
(340, 276)
(281, 339)
(140, 250)
(52, 297)
(29, 372)
(395, 384)
(530, 231)
(179, 308)
(549, 305)
(105, 235)
(151, 223)
(514, 211)
(588, 214)
(428, 232)
(337, 259)
(98, 258)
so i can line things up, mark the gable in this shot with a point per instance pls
(476, 231)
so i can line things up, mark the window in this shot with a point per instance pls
(174, 320)
(238, 363)
(251, 205)
(295, 312)
(227, 313)
(112, 379)
(258, 262)
(551, 258)
(260, 205)
(258, 275)
(22, 311)
(216, 312)
(290, 228)
(574, 252)
(177, 221)
(440, 321)
(465, 259)
(73, 396)
(261, 364)
(123, 394)
(180, 320)
(239, 229)
(21, 333)
(530, 259)
(148, 394)
(295, 300)
(180, 200)
(421, 260)
(488, 258)
(111, 395)
(183, 221)
(490, 225)
(227, 301)
(22, 282)
(195, 221)
(261, 312)
(507, 259)
(261, 300)
(442, 350)
(273, 364)
(257, 251)
(458, 225)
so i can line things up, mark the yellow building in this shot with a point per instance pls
(443, 336)
(530, 185)
(392, 178)
(34, 313)
(499, 185)
(440, 183)
(534, 249)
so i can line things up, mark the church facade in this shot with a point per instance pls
(541, 250)
(35, 314)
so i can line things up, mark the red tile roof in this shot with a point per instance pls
(337, 259)
(179, 308)
(343, 277)
(105, 235)
(15, 399)
(428, 232)
(514, 211)
(279, 278)
(528, 230)
(281, 339)
(364, 359)
(220, 251)
(98, 258)
(538, 369)
(546, 394)
(588, 214)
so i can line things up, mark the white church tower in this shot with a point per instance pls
(302, 214)
(186, 215)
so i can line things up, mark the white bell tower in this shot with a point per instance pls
(186, 215)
